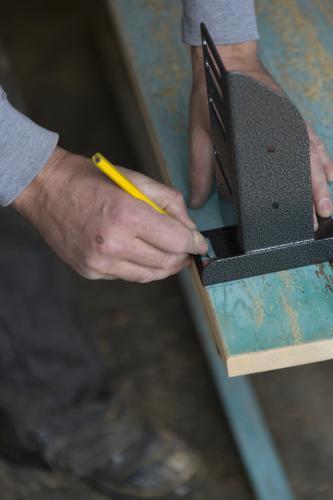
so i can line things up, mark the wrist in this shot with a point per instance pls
(241, 57)
(33, 196)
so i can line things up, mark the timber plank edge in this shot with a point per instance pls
(284, 357)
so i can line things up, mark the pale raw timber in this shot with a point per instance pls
(272, 321)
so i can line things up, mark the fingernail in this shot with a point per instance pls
(315, 224)
(200, 243)
(325, 207)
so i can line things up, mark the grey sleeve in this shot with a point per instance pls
(228, 21)
(24, 149)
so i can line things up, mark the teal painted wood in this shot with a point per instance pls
(249, 428)
(283, 309)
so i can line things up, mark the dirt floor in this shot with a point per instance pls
(145, 331)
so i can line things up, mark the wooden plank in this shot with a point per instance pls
(278, 320)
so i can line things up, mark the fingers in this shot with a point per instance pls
(320, 169)
(172, 201)
(143, 254)
(201, 167)
(176, 207)
(321, 195)
(325, 160)
(132, 260)
(168, 234)
(130, 271)
(200, 145)
(315, 219)
(167, 198)
(173, 233)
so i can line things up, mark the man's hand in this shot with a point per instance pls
(101, 231)
(242, 57)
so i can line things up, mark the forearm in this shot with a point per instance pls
(228, 21)
(24, 150)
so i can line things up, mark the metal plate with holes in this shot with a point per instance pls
(261, 147)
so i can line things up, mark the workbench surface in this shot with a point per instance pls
(272, 321)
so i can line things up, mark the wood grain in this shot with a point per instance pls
(272, 321)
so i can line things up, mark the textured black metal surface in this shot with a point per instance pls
(231, 265)
(261, 146)
(272, 165)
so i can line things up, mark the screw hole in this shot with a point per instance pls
(275, 205)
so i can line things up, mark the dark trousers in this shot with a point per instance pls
(48, 360)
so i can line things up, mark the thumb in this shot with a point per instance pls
(201, 166)
(200, 145)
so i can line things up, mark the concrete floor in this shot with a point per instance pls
(145, 331)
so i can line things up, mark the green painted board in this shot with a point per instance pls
(272, 321)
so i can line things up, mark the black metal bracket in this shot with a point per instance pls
(261, 147)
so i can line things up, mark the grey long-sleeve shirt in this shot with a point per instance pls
(228, 21)
(25, 147)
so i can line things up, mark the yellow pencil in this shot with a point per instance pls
(113, 173)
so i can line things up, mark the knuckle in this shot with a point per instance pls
(90, 262)
(93, 264)
(145, 277)
(182, 244)
(167, 261)
(320, 185)
(88, 274)
(176, 267)
(313, 149)
(179, 198)
(166, 273)
(119, 216)
(126, 217)
(113, 247)
(163, 276)
(101, 245)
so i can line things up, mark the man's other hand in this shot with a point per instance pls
(101, 231)
(242, 57)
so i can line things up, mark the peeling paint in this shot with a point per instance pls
(328, 280)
